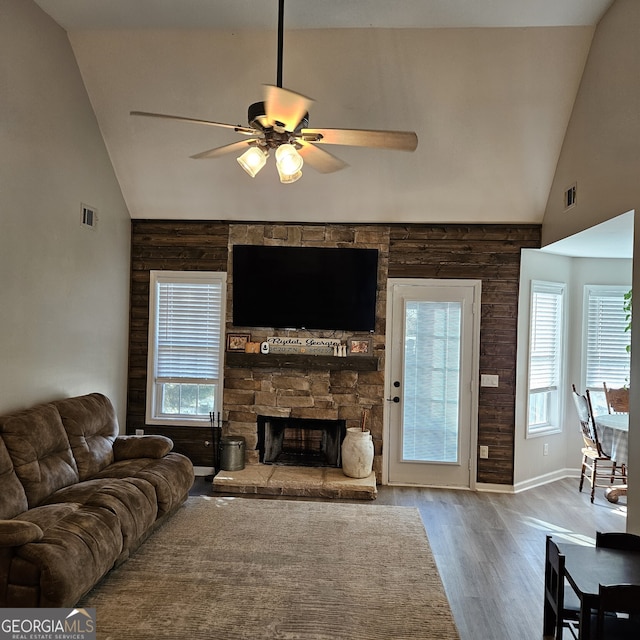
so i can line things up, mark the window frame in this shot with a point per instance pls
(153, 414)
(553, 397)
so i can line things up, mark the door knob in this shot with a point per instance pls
(395, 399)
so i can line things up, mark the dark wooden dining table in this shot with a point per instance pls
(587, 567)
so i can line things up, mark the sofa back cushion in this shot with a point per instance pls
(39, 449)
(91, 425)
(14, 499)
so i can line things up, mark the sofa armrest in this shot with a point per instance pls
(15, 533)
(131, 447)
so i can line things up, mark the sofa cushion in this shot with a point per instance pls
(133, 500)
(130, 447)
(91, 425)
(171, 477)
(79, 545)
(14, 499)
(40, 451)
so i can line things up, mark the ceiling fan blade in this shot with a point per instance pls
(321, 160)
(285, 107)
(241, 145)
(235, 127)
(400, 140)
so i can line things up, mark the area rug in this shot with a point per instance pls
(238, 568)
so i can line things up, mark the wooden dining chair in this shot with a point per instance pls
(563, 605)
(597, 467)
(618, 540)
(617, 399)
(618, 599)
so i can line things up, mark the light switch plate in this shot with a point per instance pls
(488, 380)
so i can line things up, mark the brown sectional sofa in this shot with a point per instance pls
(76, 499)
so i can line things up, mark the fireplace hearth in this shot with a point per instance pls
(300, 442)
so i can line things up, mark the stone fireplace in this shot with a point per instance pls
(300, 442)
(289, 389)
(259, 389)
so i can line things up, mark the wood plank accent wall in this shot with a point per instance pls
(177, 246)
(490, 253)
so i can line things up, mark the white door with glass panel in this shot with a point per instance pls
(433, 329)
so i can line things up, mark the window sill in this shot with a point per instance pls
(177, 422)
(545, 431)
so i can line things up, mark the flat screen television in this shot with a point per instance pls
(305, 287)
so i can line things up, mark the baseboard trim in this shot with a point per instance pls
(531, 483)
(546, 478)
(489, 487)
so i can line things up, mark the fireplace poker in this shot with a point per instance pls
(215, 443)
(216, 434)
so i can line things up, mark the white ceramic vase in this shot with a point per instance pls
(357, 453)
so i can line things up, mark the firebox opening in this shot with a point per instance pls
(300, 442)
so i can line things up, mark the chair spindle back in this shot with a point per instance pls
(617, 399)
(585, 417)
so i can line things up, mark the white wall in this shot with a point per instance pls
(601, 149)
(63, 289)
(490, 107)
(531, 466)
(601, 153)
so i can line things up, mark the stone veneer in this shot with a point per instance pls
(307, 393)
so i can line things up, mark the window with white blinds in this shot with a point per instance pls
(546, 354)
(186, 325)
(607, 359)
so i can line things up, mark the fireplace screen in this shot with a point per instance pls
(300, 442)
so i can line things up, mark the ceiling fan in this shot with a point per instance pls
(281, 123)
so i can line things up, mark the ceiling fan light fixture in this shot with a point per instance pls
(280, 121)
(288, 178)
(252, 160)
(289, 163)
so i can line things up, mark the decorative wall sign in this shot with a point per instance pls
(303, 342)
(311, 346)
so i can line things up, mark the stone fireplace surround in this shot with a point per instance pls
(317, 395)
(333, 391)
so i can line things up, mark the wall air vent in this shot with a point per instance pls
(570, 197)
(89, 217)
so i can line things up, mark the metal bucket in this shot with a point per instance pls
(232, 453)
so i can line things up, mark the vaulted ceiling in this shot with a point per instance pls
(488, 86)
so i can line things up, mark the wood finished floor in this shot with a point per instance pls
(489, 547)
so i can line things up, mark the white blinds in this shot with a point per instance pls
(607, 358)
(545, 344)
(188, 331)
